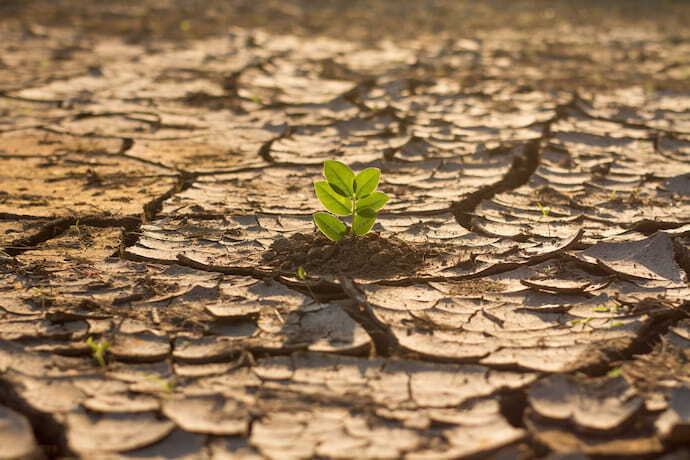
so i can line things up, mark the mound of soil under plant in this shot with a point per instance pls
(368, 256)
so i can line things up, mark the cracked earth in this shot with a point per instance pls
(526, 295)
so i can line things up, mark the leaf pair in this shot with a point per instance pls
(345, 194)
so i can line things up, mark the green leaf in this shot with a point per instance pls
(375, 201)
(615, 372)
(301, 273)
(366, 212)
(340, 177)
(366, 182)
(361, 224)
(331, 200)
(330, 226)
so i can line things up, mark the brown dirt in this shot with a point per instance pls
(371, 256)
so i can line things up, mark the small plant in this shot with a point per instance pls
(166, 385)
(42, 297)
(301, 273)
(545, 210)
(302, 276)
(583, 322)
(75, 228)
(345, 194)
(607, 308)
(615, 372)
(98, 350)
(549, 270)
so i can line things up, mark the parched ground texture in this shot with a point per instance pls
(524, 294)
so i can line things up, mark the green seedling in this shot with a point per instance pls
(42, 296)
(301, 273)
(345, 194)
(166, 385)
(545, 213)
(583, 322)
(302, 276)
(545, 210)
(549, 270)
(98, 350)
(607, 308)
(615, 372)
(635, 195)
(75, 228)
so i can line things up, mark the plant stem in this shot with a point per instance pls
(352, 212)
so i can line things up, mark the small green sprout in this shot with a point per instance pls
(607, 308)
(302, 275)
(98, 350)
(545, 210)
(615, 372)
(549, 270)
(166, 385)
(544, 213)
(75, 228)
(583, 322)
(42, 297)
(345, 194)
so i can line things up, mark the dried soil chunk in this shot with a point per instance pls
(86, 175)
(16, 437)
(234, 241)
(679, 335)
(208, 414)
(407, 298)
(142, 347)
(89, 434)
(178, 445)
(326, 328)
(651, 258)
(482, 439)
(332, 433)
(51, 396)
(674, 424)
(121, 402)
(601, 406)
(565, 441)
(543, 337)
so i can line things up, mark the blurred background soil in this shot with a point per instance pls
(350, 19)
(540, 26)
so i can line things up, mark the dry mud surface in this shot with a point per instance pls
(524, 294)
